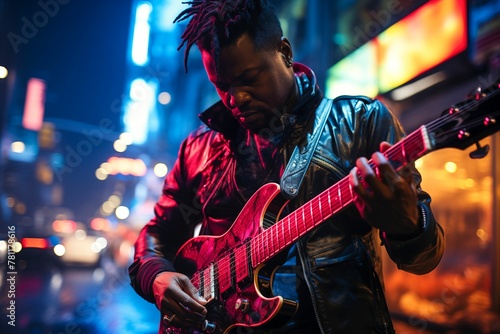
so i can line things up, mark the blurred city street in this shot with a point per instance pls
(54, 299)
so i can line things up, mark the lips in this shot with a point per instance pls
(245, 115)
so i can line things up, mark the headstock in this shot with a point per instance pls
(467, 122)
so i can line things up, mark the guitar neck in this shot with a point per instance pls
(337, 197)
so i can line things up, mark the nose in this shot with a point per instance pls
(238, 98)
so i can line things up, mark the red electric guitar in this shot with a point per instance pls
(231, 271)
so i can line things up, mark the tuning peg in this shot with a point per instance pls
(463, 134)
(476, 93)
(480, 151)
(489, 121)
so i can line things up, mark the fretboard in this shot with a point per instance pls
(334, 199)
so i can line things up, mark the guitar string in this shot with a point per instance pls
(292, 226)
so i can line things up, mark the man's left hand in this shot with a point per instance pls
(387, 200)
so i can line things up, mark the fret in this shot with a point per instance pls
(285, 228)
(299, 232)
(308, 217)
(403, 152)
(224, 273)
(276, 240)
(254, 248)
(292, 225)
(260, 247)
(272, 242)
(329, 201)
(265, 252)
(339, 196)
(408, 150)
(346, 193)
(320, 211)
(295, 222)
(327, 209)
(287, 232)
(310, 223)
(426, 141)
(413, 146)
(265, 240)
(301, 223)
(279, 237)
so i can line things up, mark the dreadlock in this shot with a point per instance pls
(218, 23)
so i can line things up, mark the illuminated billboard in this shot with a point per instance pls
(431, 35)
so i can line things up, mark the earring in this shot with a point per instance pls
(288, 60)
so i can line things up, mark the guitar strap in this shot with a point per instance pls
(302, 156)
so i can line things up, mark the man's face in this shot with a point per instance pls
(254, 84)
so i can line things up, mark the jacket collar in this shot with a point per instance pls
(219, 118)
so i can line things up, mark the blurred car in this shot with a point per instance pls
(67, 243)
(34, 249)
(82, 248)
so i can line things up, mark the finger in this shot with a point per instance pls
(380, 176)
(360, 196)
(178, 321)
(192, 299)
(369, 176)
(364, 168)
(387, 173)
(191, 290)
(384, 146)
(359, 191)
(177, 305)
(382, 165)
(181, 302)
(183, 316)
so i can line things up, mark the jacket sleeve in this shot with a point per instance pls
(420, 253)
(176, 214)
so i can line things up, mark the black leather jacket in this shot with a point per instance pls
(340, 260)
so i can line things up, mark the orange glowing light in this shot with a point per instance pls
(99, 224)
(64, 225)
(429, 36)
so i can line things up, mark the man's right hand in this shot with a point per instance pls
(178, 300)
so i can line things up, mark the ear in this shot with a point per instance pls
(286, 48)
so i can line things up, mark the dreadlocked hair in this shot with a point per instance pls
(218, 23)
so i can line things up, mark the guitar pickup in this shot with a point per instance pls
(242, 265)
(207, 283)
(225, 274)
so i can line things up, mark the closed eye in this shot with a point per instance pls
(249, 81)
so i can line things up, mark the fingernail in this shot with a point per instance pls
(353, 176)
(380, 157)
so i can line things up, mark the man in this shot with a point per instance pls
(269, 106)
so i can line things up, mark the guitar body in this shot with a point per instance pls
(239, 294)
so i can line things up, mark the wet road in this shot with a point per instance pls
(80, 300)
(72, 300)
